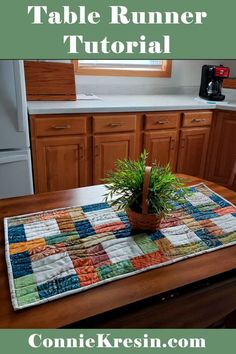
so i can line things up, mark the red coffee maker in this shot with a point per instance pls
(212, 82)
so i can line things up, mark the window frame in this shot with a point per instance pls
(165, 70)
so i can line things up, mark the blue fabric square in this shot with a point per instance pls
(157, 235)
(204, 215)
(58, 286)
(192, 189)
(16, 234)
(126, 232)
(207, 238)
(93, 207)
(218, 200)
(84, 228)
(21, 264)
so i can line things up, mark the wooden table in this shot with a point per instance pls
(192, 293)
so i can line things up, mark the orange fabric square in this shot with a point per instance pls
(226, 210)
(147, 260)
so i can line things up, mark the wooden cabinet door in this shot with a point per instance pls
(109, 148)
(222, 152)
(60, 163)
(162, 147)
(193, 151)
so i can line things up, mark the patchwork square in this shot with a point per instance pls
(225, 222)
(41, 229)
(180, 235)
(199, 198)
(53, 267)
(84, 228)
(145, 243)
(16, 234)
(21, 264)
(54, 253)
(116, 269)
(121, 249)
(57, 286)
(104, 220)
(98, 255)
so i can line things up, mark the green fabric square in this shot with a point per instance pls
(60, 238)
(119, 268)
(26, 290)
(122, 267)
(105, 272)
(145, 243)
(207, 207)
(28, 299)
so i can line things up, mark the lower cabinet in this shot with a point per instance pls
(193, 151)
(109, 148)
(60, 163)
(222, 151)
(71, 151)
(162, 147)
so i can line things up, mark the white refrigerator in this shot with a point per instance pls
(15, 156)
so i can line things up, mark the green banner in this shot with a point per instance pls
(118, 341)
(124, 29)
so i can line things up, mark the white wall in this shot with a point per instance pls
(185, 78)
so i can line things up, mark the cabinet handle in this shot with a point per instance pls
(198, 120)
(113, 125)
(162, 122)
(96, 150)
(66, 126)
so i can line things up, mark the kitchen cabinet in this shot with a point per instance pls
(222, 149)
(59, 149)
(162, 147)
(75, 150)
(114, 137)
(109, 148)
(193, 151)
(61, 163)
(194, 139)
(161, 137)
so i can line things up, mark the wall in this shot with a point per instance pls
(185, 78)
(186, 75)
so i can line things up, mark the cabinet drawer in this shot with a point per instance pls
(114, 123)
(59, 125)
(196, 119)
(162, 120)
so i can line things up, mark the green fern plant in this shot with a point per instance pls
(126, 181)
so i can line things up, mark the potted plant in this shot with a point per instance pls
(147, 194)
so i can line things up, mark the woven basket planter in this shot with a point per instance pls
(144, 221)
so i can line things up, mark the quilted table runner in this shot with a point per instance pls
(55, 253)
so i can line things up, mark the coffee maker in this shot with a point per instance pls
(211, 82)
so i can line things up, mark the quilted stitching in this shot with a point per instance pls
(55, 253)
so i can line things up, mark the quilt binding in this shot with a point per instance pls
(71, 292)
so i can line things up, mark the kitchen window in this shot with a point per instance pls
(151, 68)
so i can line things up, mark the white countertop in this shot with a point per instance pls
(125, 103)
